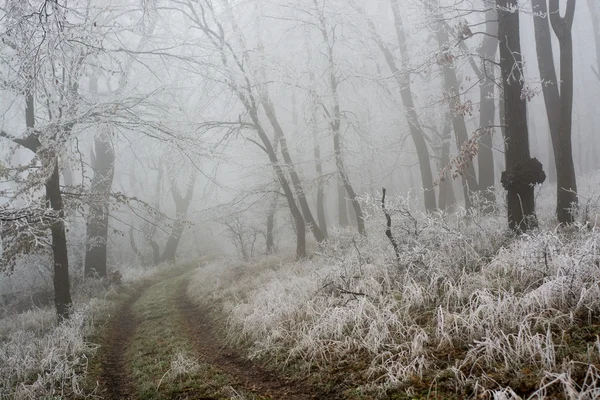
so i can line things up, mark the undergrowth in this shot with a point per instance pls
(467, 309)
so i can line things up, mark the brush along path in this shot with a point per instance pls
(159, 346)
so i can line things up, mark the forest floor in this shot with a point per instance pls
(160, 345)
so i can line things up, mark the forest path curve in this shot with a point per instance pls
(160, 345)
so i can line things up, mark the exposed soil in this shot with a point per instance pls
(249, 375)
(114, 379)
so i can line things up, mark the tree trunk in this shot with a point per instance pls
(97, 226)
(182, 204)
(522, 172)
(558, 104)
(451, 88)
(62, 291)
(566, 180)
(289, 194)
(308, 217)
(487, 112)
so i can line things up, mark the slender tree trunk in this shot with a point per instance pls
(522, 172)
(308, 217)
(451, 88)
(300, 227)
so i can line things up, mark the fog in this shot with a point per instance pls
(190, 97)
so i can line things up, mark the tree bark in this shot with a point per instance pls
(522, 172)
(559, 104)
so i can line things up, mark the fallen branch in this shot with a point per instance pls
(388, 230)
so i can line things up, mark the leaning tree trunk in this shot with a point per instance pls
(451, 88)
(182, 204)
(522, 171)
(308, 217)
(300, 227)
(97, 226)
(558, 104)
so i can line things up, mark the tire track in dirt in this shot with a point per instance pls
(250, 376)
(114, 378)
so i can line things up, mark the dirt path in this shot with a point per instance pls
(249, 375)
(159, 321)
(114, 378)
